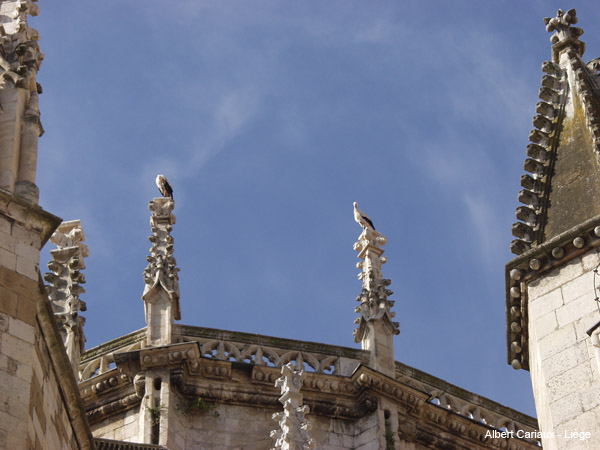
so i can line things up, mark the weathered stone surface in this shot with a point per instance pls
(65, 287)
(375, 329)
(161, 291)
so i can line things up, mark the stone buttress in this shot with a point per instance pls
(550, 299)
(41, 407)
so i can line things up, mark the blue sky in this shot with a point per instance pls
(269, 119)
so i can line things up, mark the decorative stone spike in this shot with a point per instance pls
(518, 246)
(537, 152)
(542, 122)
(527, 215)
(161, 291)
(375, 326)
(550, 81)
(546, 109)
(523, 231)
(293, 427)
(530, 183)
(594, 65)
(551, 68)
(539, 137)
(534, 167)
(549, 95)
(529, 198)
(64, 287)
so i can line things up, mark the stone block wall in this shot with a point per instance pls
(121, 427)
(563, 362)
(50, 424)
(40, 407)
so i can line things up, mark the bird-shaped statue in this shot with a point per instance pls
(163, 186)
(362, 219)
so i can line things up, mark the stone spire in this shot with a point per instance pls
(293, 427)
(375, 327)
(560, 189)
(64, 287)
(161, 293)
(20, 127)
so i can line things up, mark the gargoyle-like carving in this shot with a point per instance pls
(293, 427)
(64, 286)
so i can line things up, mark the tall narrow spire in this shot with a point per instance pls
(161, 293)
(64, 287)
(375, 328)
(561, 189)
(293, 427)
(20, 127)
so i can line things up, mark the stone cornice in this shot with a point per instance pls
(346, 397)
(519, 272)
(25, 212)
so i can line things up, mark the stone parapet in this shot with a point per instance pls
(413, 401)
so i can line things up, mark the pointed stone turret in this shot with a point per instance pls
(550, 299)
(562, 188)
(20, 127)
(161, 293)
(64, 287)
(376, 329)
(293, 427)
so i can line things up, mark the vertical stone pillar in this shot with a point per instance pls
(161, 293)
(375, 327)
(20, 59)
(293, 427)
(64, 287)
(31, 131)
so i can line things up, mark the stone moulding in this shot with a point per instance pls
(348, 398)
(25, 212)
(350, 395)
(463, 402)
(529, 266)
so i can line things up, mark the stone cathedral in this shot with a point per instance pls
(173, 386)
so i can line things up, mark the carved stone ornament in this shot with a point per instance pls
(374, 303)
(64, 286)
(20, 55)
(162, 273)
(293, 432)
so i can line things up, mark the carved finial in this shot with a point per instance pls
(565, 35)
(161, 276)
(375, 326)
(293, 427)
(374, 303)
(64, 286)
